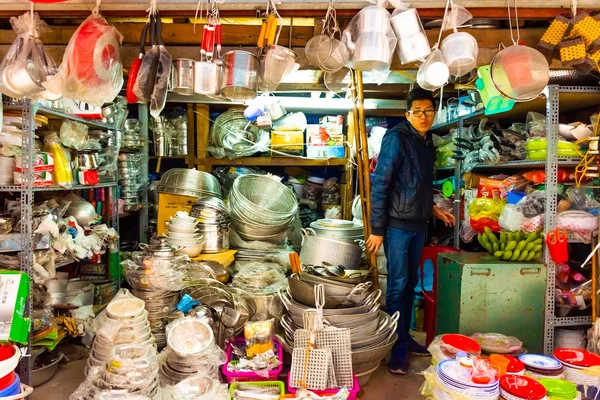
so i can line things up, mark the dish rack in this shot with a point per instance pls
(252, 376)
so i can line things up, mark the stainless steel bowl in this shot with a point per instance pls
(189, 182)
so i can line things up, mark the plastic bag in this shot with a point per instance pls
(456, 17)
(257, 277)
(483, 207)
(163, 72)
(441, 351)
(63, 174)
(536, 124)
(74, 134)
(91, 69)
(535, 224)
(371, 48)
(26, 65)
(581, 198)
(511, 218)
(433, 73)
(533, 204)
(196, 387)
(259, 337)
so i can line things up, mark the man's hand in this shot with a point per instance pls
(374, 243)
(446, 217)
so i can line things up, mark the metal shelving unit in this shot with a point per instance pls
(552, 110)
(27, 192)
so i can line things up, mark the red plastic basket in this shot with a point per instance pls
(252, 376)
(353, 393)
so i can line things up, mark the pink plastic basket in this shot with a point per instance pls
(252, 376)
(351, 396)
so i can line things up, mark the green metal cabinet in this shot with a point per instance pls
(478, 293)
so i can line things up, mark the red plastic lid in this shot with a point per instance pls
(577, 357)
(522, 387)
(6, 351)
(462, 343)
(515, 365)
(47, 1)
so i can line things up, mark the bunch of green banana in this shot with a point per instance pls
(512, 246)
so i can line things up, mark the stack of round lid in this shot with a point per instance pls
(576, 363)
(454, 342)
(452, 383)
(559, 389)
(539, 366)
(515, 387)
(515, 366)
(338, 229)
(498, 343)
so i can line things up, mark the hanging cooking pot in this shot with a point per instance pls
(520, 73)
(135, 67)
(239, 79)
(159, 247)
(413, 43)
(183, 76)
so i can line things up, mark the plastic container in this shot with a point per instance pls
(493, 101)
(460, 51)
(352, 395)
(252, 376)
(500, 363)
(558, 246)
(267, 384)
(13, 388)
(7, 381)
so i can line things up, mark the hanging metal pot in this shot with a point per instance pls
(183, 76)
(239, 78)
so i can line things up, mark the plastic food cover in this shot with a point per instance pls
(26, 64)
(91, 69)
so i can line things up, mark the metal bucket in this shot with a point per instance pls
(239, 78)
(183, 76)
(206, 77)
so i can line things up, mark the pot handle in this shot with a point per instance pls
(395, 316)
(284, 299)
(143, 246)
(304, 235)
(374, 308)
(383, 325)
(390, 335)
(374, 297)
(311, 232)
(287, 323)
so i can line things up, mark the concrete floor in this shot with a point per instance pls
(381, 386)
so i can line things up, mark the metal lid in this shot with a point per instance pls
(159, 245)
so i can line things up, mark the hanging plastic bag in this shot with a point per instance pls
(433, 73)
(456, 17)
(26, 65)
(161, 82)
(370, 40)
(511, 218)
(91, 69)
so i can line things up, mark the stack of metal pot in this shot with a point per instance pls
(179, 136)
(129, 175)
(156, 275)
(131, 140)
(262, 209)
(213, 223)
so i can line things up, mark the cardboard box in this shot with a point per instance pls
(325, 151)
(290, 142)
(168, 205)
(14, 290)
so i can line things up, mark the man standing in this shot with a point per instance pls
(401, 205)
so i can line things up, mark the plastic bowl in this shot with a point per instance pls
(125, 308)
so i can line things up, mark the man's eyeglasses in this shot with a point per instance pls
(419, 113)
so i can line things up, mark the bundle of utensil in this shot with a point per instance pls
(322, 357)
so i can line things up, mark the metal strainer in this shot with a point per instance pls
(326, 50)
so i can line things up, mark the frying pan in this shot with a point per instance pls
(135, 68)
(144, 82)
(163, 71)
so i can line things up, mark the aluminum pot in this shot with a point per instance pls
(88, 160)
(316, 250)
(239, 78)
(207, 77)
(183, 76)
(217, 238)
(159, 247)
(373, 19)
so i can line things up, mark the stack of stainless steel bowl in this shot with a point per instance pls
(179, 136)
(262, 208)
(213, 223)
(129, 180)
(189, 182)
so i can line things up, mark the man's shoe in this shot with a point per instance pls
(417, 349)
(399, 359)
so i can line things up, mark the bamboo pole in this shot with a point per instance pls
(362, 158)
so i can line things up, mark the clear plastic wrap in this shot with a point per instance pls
(233, 137)
(91, 69)
(260, 278)
(536, 124)
(371, 41)
(196, 387)
(74, 134)
(441, 351)
(27, 65)
(582, 198)
(533, 204)
(259, 337)
(152, 273)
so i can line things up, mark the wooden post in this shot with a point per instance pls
(202, 114)
(362, 159)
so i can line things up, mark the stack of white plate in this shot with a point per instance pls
(576, 363)
(453, 384)
(569, 338)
